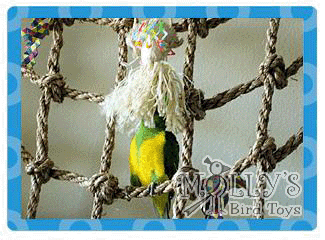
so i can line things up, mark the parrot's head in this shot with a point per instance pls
(159, 121)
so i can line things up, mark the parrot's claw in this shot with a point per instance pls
(152, 187)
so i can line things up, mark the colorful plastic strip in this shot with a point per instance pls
(39, 29)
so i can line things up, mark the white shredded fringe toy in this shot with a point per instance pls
(154, 85)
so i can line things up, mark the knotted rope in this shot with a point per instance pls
(188, 132)
(130, 192)
(262, 132)
(104, 186)
(54, 85)
(106, 159)
(41, 176)
(194, 102)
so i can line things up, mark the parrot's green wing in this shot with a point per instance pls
(171, 160)
(166, 161)
(171, 154)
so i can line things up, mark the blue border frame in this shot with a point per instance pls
(15, 222)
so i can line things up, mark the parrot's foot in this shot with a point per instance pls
(152, 187)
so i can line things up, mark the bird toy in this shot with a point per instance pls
(32, 36)
(154, 85)
(150, 102)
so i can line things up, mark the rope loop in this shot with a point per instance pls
(42, 170)
(268, 161)
(105, 186)
(56, 85)
(194, 101)
(278, 70)
(266, 64)
(275, 66)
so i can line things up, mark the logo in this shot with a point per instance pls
(216, 167)
(217, 194)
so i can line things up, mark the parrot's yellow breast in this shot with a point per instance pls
(147, 159)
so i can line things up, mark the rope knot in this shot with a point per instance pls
(56, 85)
(202, 27)
(279, 73)
(41, 170)
(275, 66)
(268, 161)
(194, 101)
(104, 186)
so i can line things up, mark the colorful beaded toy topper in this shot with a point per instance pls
(153, 33)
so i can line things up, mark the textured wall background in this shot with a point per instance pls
(230, 55)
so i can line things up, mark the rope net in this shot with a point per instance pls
(104, 186)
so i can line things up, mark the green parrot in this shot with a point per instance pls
(154, 158)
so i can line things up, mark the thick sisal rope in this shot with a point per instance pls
(49, 86)
(130, 192)
(262, 126)
(106, 158)
(264, 154)
(188, 132)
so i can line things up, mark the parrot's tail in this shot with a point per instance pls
(162, 204)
